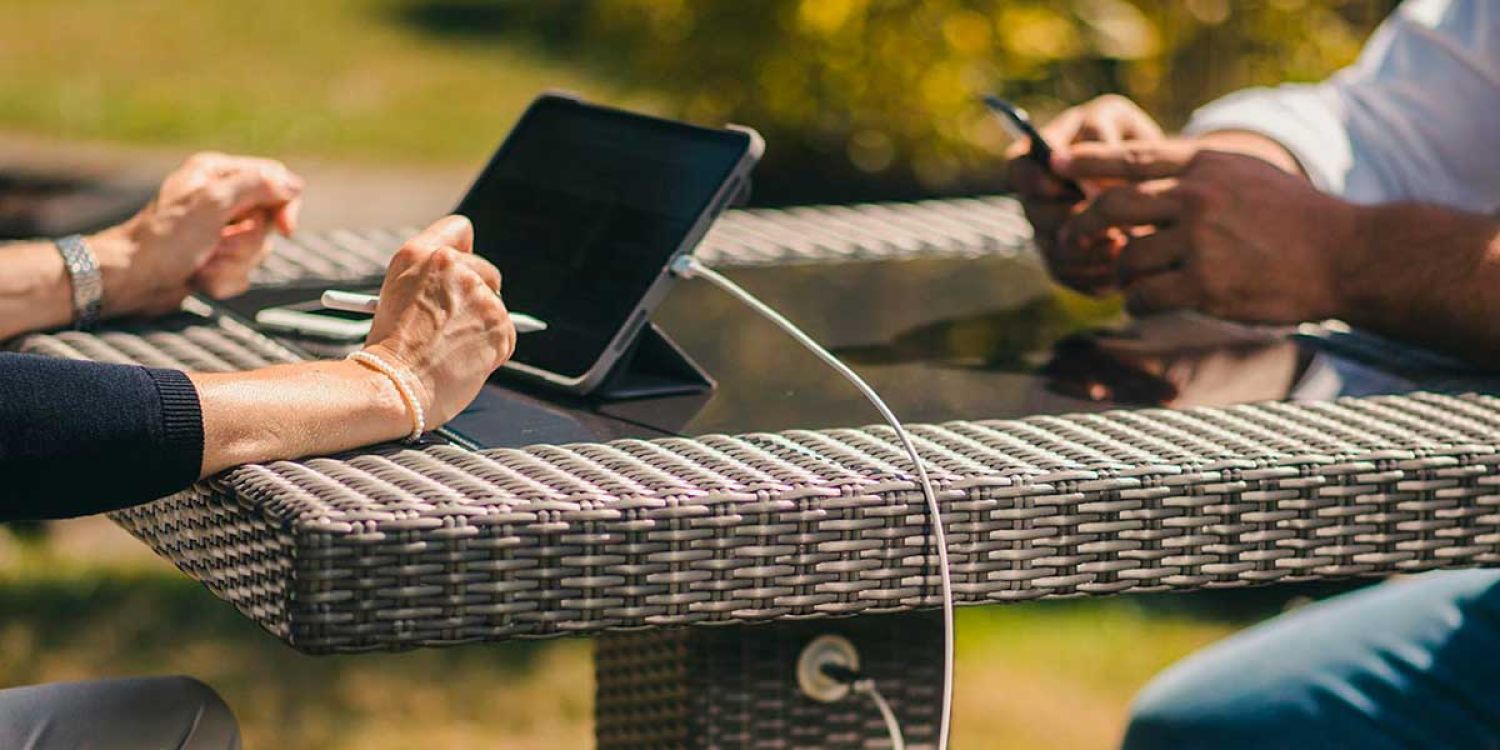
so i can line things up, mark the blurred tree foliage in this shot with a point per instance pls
(879, 95)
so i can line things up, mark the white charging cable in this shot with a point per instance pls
(892, 727)
(688, 266)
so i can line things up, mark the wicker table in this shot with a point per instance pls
(647, 543)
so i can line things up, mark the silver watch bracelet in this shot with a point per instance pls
(88, 283)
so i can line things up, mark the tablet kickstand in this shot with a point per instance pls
(652, 366)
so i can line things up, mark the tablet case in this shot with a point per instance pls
(653, 366)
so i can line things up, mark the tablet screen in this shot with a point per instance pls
(582, 209)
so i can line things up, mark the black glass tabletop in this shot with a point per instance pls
(943, 339)
(948, 339)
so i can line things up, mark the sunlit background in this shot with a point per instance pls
(858, 100)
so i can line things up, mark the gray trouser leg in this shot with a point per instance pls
(152, 713)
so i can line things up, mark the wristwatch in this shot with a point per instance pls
(88, 285)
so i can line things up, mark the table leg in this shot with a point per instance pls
(736, 687)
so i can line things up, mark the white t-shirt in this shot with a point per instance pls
(1417, 117)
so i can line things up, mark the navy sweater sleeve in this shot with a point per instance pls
(78, 438)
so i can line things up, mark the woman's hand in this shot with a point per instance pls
(207, 229)
(440, 320)
(1107, 119)
(441, 317)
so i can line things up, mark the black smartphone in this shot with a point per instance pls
(1017, 122)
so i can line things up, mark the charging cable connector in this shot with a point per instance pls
(687, 266)
(828, 671)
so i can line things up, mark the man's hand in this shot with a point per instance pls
(207, 229)
(1225, 234)
(1107, 119)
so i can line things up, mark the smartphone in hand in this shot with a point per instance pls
(1017, 122)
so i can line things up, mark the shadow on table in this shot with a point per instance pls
(1014, 339)
(1174, 360)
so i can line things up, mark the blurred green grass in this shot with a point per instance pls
(1038, 675)
(329, 78)
(66, 618)
(858, 99)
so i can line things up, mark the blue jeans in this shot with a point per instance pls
(1408, 664)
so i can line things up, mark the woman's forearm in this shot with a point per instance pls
(78, 438)
(296, 410)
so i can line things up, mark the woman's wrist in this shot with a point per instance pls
(421, 389)
(404, 382)
(388, 414)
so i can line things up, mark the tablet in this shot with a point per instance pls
(582, 209)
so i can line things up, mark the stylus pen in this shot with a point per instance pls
(1017, 122)
(334, 299)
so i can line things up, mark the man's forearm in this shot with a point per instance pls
(1253, 144)
(1426, 274)
(35, 292)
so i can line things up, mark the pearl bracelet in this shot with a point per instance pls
(398, 377)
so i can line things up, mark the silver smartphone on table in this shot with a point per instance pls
(583, 208)
(315, 320)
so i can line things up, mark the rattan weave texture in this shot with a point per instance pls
(187, 341)
(400, 547)
(403, 546)
(748, 237)
(736, 687)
